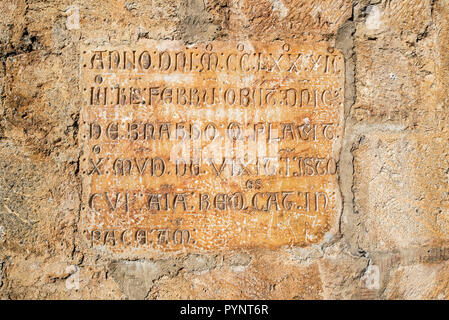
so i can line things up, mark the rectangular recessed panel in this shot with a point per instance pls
(220, 145)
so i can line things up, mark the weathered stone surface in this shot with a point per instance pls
(220, 146)
(390, 234)
(397, 207)
(419, 281)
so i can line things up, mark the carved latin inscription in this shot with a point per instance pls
(221, 145)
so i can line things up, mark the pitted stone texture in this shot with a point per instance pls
(396, 69)
(396, 206)
(418, 282)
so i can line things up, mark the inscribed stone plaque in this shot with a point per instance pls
(220, 145)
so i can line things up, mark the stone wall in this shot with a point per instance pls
(393, 239)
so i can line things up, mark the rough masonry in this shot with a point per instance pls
(82, 81)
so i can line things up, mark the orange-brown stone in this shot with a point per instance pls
(222, 145)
